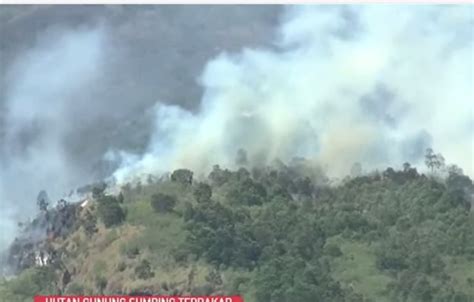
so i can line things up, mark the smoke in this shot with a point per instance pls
(370, 84)
(40, 110)
(77, 82)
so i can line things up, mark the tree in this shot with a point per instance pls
(212, 233)
(242, 174)
(42, 201)
(110, 211)
(433, 161)
(409, 172)
(162, 203)
(98, 190)
(120, 197)
(188, 212)
(430, 158)
(460, 189)
(422, 290)
(287, 278)
(247, 192)
(304, 186)
(150, 179)
(406, 167)
(218, 177)
(33, 281)
(454, 170)
(61, 205)
(90, 224)
(202, 193)
(183, 176)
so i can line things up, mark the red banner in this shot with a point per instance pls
(138, 299)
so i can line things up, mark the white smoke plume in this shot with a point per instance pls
(40, 109)
(75, 82)
(370, 84)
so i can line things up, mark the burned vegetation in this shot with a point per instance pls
(34, 244)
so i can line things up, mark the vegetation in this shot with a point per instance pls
(110, 211)
(277, 234)
(182, 176)
(162, 202)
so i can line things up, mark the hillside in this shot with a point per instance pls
(267, 233)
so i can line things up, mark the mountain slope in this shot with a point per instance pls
(270, 234)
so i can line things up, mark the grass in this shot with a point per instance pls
(158, 237)
(163, 232)
(356, 268)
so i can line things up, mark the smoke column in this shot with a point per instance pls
(77, 82)
(370, 84)
(39, 112)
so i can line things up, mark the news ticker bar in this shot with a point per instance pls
(138, 299)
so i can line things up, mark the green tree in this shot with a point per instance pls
(218, 177)
(109, 211)
(120, 197)
(162, 203)
(202, 193)
(42, 201)
(183, 176)
(433, 161)
(89, 224)
(98, 190)
(34, 281)
(247, 192)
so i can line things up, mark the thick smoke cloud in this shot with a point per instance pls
(38, 117)
(77, 82)
(370, 84)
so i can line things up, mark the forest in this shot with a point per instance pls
(278, 233)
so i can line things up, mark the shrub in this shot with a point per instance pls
(110, 211)
(101, 284)
(121, 267)
(332, 250)
(163, 203)
(143, 270)
(34, 281)
(75, 289)
(132, 252)
(89, 224)
(182, 176)
(202, 193)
